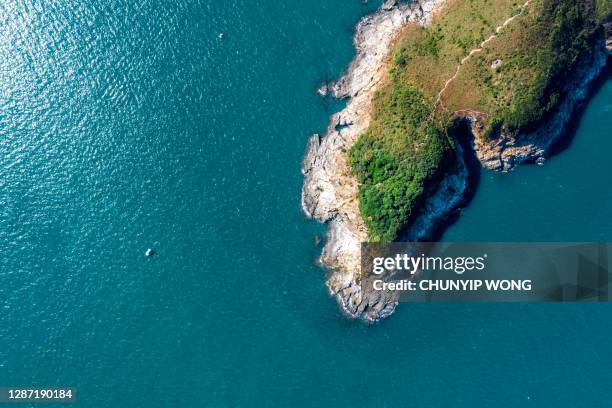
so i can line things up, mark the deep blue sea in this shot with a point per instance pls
(126, 125)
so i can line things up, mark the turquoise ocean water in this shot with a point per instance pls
(128, 125)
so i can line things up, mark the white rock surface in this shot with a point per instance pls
(330, 192)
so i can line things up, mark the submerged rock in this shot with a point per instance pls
(323, 90)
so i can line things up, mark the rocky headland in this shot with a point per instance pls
(331, 191)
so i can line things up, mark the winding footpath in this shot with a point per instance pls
(479, 49)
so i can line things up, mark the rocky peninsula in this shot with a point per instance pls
(334, 189)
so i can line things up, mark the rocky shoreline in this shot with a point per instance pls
(509, 150)
(330, 191)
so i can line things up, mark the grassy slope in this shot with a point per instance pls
(535, 55)
(603, 10)
(429, 57)
(407, 147)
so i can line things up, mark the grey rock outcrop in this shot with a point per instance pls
(330, 191)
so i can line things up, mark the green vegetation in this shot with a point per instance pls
(536, 55)
(603, 10)
(428, 57)
(396, 157)
(406, 150)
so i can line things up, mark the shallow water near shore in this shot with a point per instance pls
(129, 125)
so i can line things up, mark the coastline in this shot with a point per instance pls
(508, 151)
(330, 191)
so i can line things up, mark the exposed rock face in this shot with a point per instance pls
(330, 192)
(508, 150)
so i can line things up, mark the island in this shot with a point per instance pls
(508, 74)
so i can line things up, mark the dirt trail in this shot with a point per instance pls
(479, 49)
